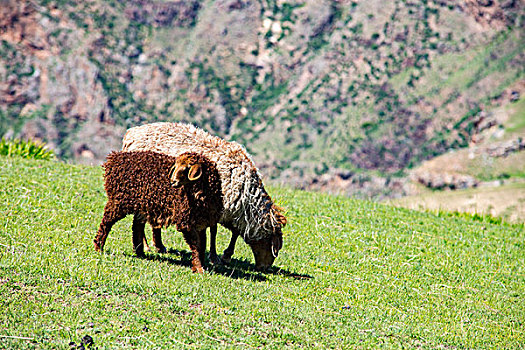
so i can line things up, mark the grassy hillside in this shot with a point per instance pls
(352, 274)
(308, 86)
(476, 160)
(506, 201)
(500, 178)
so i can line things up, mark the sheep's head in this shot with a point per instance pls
(187, 168)
(267, 249)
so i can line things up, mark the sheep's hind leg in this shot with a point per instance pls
(157, 240)
(228, 252)
(139, 238)
(214, 258)
(197, 243)
(146, 245)
(111, 216)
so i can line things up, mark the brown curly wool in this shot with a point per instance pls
(142, 183)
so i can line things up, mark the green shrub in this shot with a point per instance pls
(26, 149)
(485, 218)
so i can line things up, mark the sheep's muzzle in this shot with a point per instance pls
(265, 251)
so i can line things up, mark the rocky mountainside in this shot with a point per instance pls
(325, 94)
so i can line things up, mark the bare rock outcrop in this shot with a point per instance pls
(163, 13)
(445, 180)
(503, 149)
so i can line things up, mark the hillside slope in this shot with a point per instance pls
(349, 90)
(351, 274)
(503, 201)
(495, 154)
(486, 177)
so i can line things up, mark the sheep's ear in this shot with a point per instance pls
(195, 172)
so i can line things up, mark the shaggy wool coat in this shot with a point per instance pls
(139, 183)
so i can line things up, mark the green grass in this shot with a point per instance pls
(352, 274)
(516, 122)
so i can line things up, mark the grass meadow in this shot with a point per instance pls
(351, 274)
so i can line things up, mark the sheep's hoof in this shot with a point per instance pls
(215, 259)
(162, 249)
(98, 248)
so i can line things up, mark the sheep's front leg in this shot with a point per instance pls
(197, 243)
(138, 236)
(228, 252)
(214, 258)
(111, 216)
(157, 241)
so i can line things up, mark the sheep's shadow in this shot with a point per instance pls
(183, 258)
(283, 272)
(274, 270)
(236, 269)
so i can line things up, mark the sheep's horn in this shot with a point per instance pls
(277, 244)
(195, 172)
(172, 170)
(274, 253)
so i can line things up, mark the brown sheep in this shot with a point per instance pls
(162, 190)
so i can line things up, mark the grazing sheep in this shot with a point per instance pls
(248, 209)
(184, 191)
